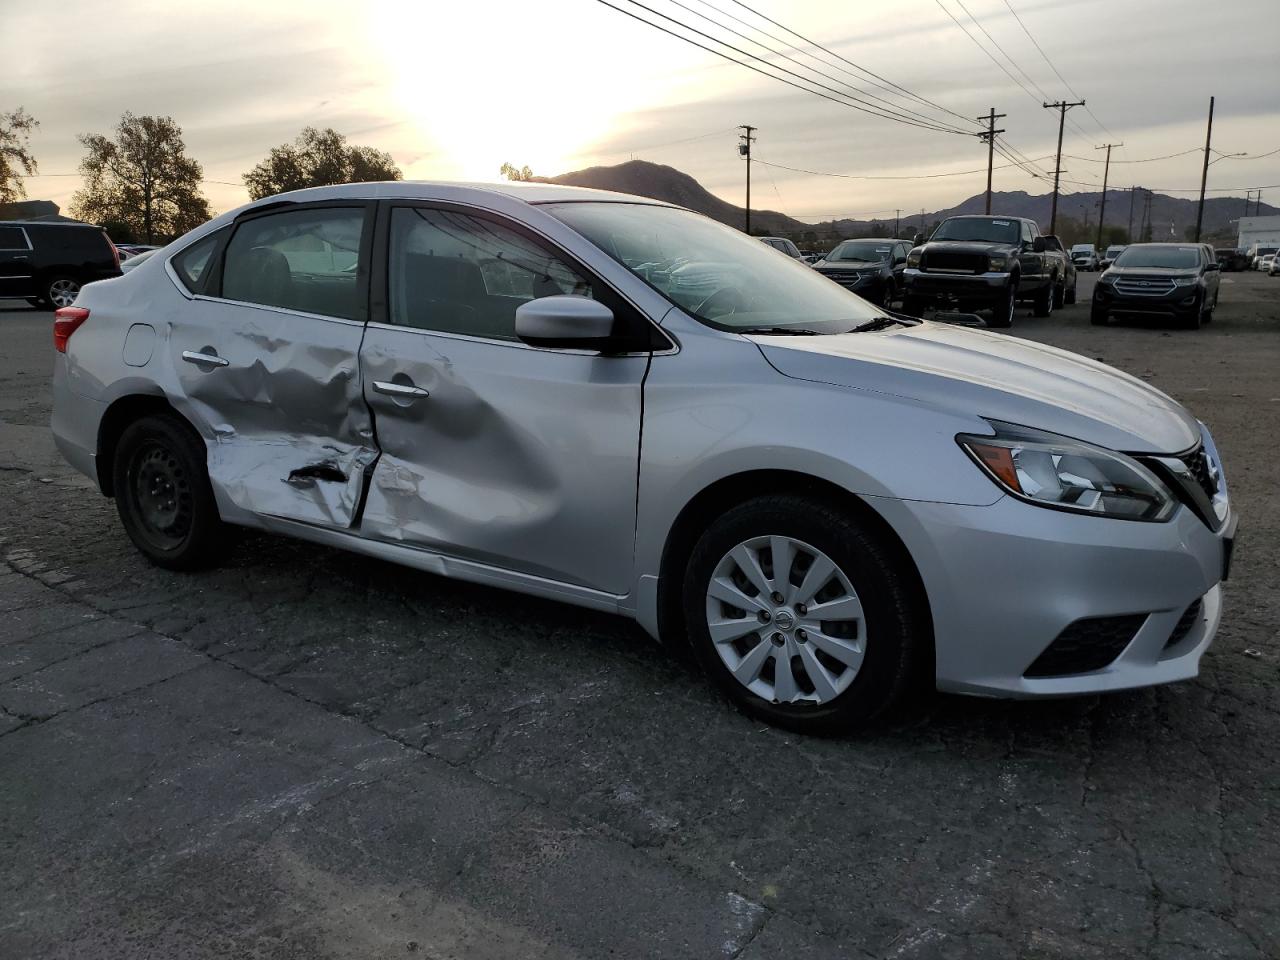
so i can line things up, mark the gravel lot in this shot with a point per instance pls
(311, 754)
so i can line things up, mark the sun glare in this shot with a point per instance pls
(479, 91)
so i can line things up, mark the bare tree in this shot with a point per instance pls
(143, 178)
(16, 160)
(318, 158)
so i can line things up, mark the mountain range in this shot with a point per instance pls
(666, 183)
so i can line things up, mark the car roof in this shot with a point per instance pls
(527, 192)
(61, 224)
(872, 240)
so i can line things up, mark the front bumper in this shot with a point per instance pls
(961, 286)
(1183, 300)
(1005, 581)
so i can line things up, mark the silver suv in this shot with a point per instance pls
(624, 405)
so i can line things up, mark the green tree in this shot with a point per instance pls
(16, 160)
(318, 158)
(142, 178)
(511, 172)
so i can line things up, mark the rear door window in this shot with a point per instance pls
(13, 238)
(308, 260)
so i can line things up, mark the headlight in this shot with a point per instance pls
(1107, 278)
(913, 259)
(1065, 474)
(1185, 281)
(997, 264)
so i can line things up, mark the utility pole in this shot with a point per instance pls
(1062, 107)
(897, 220)
(990, 137)
(922, 221)
(1105, 171)
(1129, 237)
(1248, 198)
(744, 150)
(1204, 171)
(1146, 218)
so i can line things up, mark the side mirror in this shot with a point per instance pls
(1213, 266)
(1038, 245)
(917, 239)
(565, 322)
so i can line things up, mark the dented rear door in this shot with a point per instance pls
(491, 450)
(266, 363)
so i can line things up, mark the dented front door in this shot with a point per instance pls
(268, 366)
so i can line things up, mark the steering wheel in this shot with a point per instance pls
(730, 299)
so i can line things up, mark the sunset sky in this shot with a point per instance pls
(452, 90)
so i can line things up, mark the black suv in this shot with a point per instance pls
(1178, 280)
(981, 262)
(870, 268)
(46, 264)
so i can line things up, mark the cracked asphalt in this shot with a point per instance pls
(311, 754)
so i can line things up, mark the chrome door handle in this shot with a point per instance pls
(212, 359)
(403, 390)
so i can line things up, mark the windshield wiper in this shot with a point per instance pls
(787, 331)
(879, 323)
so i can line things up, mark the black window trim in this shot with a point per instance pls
(380, 278)
(211, 284)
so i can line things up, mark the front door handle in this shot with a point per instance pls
(403, 391)
(206, 359)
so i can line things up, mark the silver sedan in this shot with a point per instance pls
(621, 404)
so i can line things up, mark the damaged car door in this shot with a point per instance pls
(493, 451)
(267, 359)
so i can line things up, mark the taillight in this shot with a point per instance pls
(66, 321)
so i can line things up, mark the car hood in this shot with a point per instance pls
(846, 265)
(1152, 271)
(966, 246)
(993, 376)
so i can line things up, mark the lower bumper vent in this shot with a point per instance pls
(1190, 617)
(1086, 645)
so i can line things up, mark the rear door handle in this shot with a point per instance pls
(404, 391)
(208, 359)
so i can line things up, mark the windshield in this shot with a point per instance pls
(717, 274)
(1114, 252)
(868, 251)
(1082, 248)
(980, 229)
(1175, 258)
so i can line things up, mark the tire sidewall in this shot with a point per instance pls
(891, 639)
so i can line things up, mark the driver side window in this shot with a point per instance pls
(455, 273)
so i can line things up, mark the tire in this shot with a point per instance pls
(886, 623)
(61, 290)
(1002, 310)
(1207, 316)
(1060, 296)
(913, 306)
(1070, 297)
(163, 495)
(1192, 319)
(1098, 316)
(1043, 305)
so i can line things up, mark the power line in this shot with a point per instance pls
(845, 98)
(1168, 156)
(857, 176)
(1025, 89)
(996, 43)
(835, 66)
(858, 92)
(812, 43)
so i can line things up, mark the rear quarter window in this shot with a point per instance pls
(192, 264)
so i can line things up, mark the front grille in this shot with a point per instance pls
(1138, 287)
(1086, 645)
(1198, 463)
(1190, 617)
(946, 260)
(846, 278)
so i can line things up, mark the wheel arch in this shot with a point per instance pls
(122, 412)
(730, 491)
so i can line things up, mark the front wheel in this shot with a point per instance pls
(1098, 316)
(1070, 297)
(802, 615)
(163, 494)
(1003, 309)
(1044, 301)
(913, 306)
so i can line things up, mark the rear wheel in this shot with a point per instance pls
(61, 291)
(801, 615)
(163, 495)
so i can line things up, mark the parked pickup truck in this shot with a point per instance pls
(985, 263)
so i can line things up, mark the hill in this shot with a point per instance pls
(660, 182)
